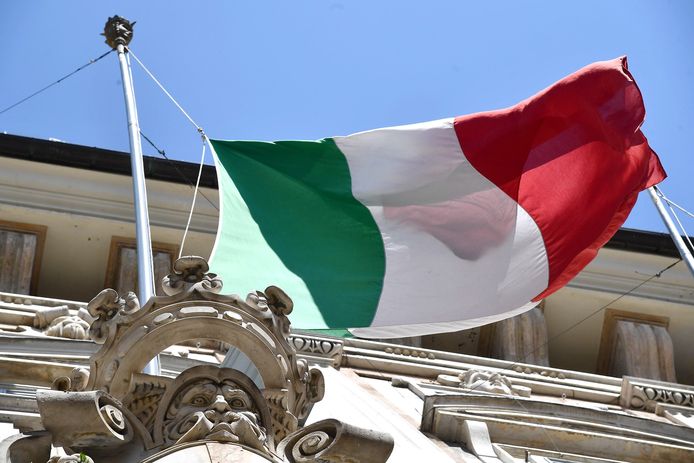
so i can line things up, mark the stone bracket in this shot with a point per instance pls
(334, 441)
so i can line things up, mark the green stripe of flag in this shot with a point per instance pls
(299, 193)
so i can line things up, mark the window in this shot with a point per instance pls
(121, 271)
(21, 247)
(636, 344)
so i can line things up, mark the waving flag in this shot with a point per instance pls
(441, 225)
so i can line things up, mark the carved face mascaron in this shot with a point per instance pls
(213, 409)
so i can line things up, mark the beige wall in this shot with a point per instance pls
(576, 347)
(83, 209)
(77, 249)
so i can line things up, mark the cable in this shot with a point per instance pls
(672, 203)
(55, 83)
(195, 195)
(177, 169)
(205, 140)
(198, 128)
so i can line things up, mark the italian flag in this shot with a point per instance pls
(442, 225)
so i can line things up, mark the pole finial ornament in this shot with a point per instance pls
(118, 31)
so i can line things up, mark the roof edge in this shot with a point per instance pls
(102, 160)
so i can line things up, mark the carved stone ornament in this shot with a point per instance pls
(70, 326)
(206, 402)
(334, 441)
(189, 272)
(76, 458)
(115, 413)
(484, 381)
(644, 394)
(105, 307)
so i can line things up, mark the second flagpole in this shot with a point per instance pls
(674, 233)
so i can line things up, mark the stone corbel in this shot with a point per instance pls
(334, 441)
(103, 422)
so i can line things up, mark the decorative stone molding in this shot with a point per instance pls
(322, 350)
(408, 352)
(41, 316)
(530, 370)
(643, 394)
(258, 326)
(484, 381)
(191, 272)
(206, 402)
(589, 433)
(102, 423)
(70, 327)
(125, 415)
(44, 318)
(638, 345)
(144, 396)
(105, 307)
(75, 458)
(75, 382)
(63, 320)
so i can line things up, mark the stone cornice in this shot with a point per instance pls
(100, 195)
(619, 272)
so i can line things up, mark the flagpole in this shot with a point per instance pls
(676, 237)
(119, 33)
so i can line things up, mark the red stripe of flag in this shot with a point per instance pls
(573, 156)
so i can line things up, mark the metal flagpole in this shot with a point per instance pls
(676, 237)
(119, 32)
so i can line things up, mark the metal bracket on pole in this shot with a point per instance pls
(676, 237)
(119, 32)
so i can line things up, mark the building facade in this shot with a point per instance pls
(600, 371)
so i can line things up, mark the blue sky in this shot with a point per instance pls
(308, 69)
